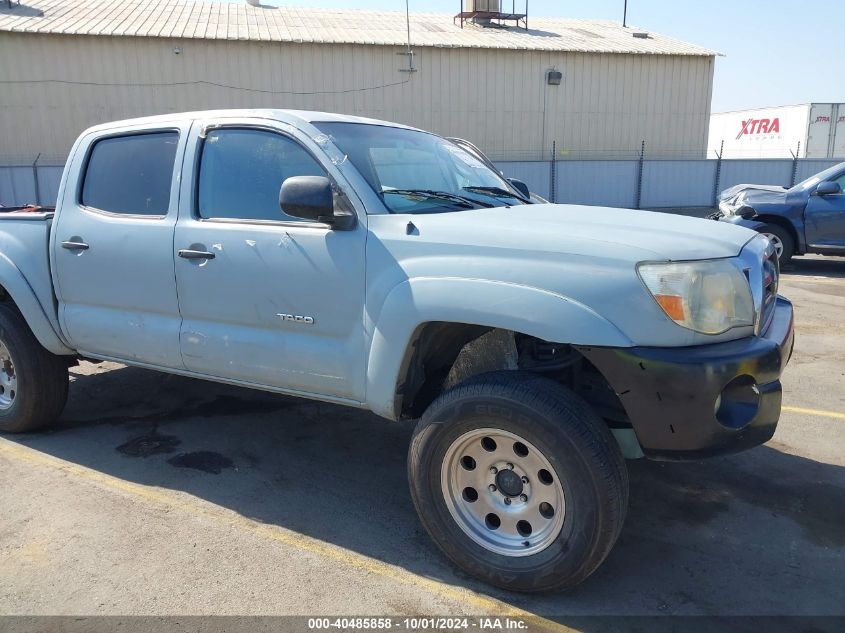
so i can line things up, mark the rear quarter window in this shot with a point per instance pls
(131, 174)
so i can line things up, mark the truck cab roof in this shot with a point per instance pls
(293, 117)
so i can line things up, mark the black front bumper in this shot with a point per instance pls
(690, 402)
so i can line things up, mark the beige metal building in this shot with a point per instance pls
(68, 64)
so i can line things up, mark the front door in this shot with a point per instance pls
(266, 299)
(113, 245)
(824, 218)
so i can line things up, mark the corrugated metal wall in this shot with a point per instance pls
(608, 183)
(19, 185)
(666, 181)
(496, 98)
(535, 174)
(758, 172)
(810, 166)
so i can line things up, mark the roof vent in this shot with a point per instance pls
(254, 3)
(643, 35)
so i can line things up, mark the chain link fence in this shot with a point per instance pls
(640, 178)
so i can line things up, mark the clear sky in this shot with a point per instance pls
(777, 52)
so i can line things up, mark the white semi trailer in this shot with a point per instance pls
(810, 130)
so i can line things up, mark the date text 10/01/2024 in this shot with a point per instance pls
(416, 624)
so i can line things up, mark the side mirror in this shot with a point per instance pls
(827, 188)
(311, 198)
(520, 186)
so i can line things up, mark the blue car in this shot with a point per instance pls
(806, 218)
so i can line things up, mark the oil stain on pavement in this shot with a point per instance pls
(206, 461)
(150, 444)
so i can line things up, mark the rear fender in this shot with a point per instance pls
(23, 295)
(525, 309)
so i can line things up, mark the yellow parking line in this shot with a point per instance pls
(197, 507)
(819, 412)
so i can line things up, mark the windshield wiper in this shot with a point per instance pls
(465, 201)
(499, 192)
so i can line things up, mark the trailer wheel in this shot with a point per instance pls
(518, 481)
(33, 382)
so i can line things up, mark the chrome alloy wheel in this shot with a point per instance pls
(8, 378)
(776, 242)
(502, 492)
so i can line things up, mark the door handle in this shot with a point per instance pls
(75, 246)
(189, 254)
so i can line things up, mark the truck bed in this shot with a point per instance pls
(24, 243)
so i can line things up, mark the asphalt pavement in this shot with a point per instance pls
(163, 495)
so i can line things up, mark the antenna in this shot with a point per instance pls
(408, 22)
(410, 52)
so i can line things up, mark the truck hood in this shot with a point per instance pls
(584, 230)
(731, 192)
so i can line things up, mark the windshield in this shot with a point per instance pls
(828, 174)
(418, 172)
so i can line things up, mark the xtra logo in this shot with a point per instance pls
(822, 119)
(759, 126)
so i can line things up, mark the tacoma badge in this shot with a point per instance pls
(296, 318)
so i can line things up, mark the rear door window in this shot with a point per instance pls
(131, 174)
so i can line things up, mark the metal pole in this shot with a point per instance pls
(408, 24)
(553, 173)
(795, 164)
(717, 179)
(625, 15)
(35, 179)
(640, 176)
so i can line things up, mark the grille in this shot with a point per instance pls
(771, 273)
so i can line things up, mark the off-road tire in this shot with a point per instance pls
(573, 439)
(42, 385)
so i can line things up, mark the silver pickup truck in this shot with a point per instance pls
(385, 268)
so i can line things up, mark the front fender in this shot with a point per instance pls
(22, 293)
(759, 221)
(533, 311)
(754, 225)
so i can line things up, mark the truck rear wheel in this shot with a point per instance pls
(33, 382)
(518, 481)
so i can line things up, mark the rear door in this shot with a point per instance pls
(113, 245)
(275, 301)
(824, 218)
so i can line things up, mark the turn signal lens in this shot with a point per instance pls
(672, 305)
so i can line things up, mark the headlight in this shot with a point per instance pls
(710, 296)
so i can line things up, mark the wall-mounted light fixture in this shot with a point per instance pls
(554, 77)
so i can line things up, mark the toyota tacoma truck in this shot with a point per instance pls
(386, 268)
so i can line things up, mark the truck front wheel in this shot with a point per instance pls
(33, 382)
(518, 481)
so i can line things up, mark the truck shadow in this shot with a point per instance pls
(760, 532)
